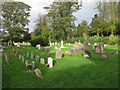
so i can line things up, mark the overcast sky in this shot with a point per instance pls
(85, 13)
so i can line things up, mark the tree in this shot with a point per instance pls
(14, 18)
(61, 18)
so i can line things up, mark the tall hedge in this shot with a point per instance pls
(39, 40)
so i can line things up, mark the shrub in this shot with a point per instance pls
(39, 40)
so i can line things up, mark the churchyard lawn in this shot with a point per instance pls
(70, 71)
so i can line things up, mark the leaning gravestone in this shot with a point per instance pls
(23, 59)
(32, 55)
(33, 65)
(85, 45)
(50, 62)
(26, 63)
(47, 52)
(19, 57)
(97, 49)
(58, 53)
(38, 73)
(37, 57)
(42, 61)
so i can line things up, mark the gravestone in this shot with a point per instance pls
(86, 53)
(97, 49)
(27, 54)
(13, 50)
(42, 48)
(103, 55)
(1, 48)
(38, 46)
(62, 44)
(42, 61)
(58, 53)
(47, 52)
(55, 43)
(7, 60)
(56, 47)
(75, 50)
(38, 73)
(101, 44)
(4, 44)
(32, 55)
(37, 57)
(22, 58)
(19, 57)
(85, 45)
(26, 63)
(18, 44)
(50, 62)
(33, 65)
(50, 44)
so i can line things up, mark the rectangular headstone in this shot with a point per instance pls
(26, 63)
(37, 57)
(97, 49)
(32, 55)
(27, 54)
(47, 52)
(50, 62)
(42, 48)
(42, 61)
(33, 65)
(58, 53)
(23, 59)
(13, 50)
(19, 57)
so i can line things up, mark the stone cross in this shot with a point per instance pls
(50, 62)
(33, 65)
(32, 55)
(42, 61)
(47, 52)
(58, 53)
(19, 57)
(22, 58)
(26, 63)
(37, 57)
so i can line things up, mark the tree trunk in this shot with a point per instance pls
(68, 36)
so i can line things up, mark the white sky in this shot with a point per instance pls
(85, 13)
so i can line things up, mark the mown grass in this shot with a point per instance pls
(71, 71)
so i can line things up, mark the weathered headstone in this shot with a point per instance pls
(56, 47)
(26, 63)
(8, 44)
(101, 44)
(75, 50)
(42, 61)
(32, 55)
(27, 54)
(97, 49)
(47, 52)
(86, 53)
(19, 57)
(50, 44)
(38, 46)
(33, 65)
(85, 45)
(58, 53)
(38, 73)
(7, 60)
(18, 44)
(13, 50)
(50, 62)
(37, 57)
(103, 55)
(42, 48)
(23, 59)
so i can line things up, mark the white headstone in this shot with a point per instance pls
(50, 44)
(42, 61)
(50, 62)
(62, 44)
(56, 47)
